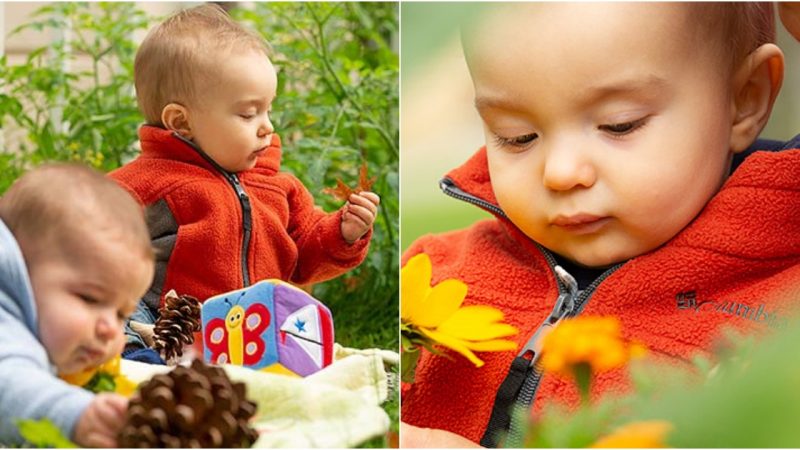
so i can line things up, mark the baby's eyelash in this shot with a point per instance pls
(518, 142)
(624, 128)
(89, 299)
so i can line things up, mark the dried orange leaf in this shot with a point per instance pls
(340, 192)
(364, 182)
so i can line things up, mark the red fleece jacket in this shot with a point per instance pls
(197, 221)
(735, 265)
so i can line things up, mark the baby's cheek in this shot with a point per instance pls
(118, 344)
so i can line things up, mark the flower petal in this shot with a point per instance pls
(494, 345)
(443, 300)
(415, 284)
(477, 323)
(453, 344)
(645, 434)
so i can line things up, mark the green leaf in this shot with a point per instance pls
(43, 434)
(101, 382)
(408, 364)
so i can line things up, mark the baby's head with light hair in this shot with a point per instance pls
(205, 77)
(88, 255)
(179, 59)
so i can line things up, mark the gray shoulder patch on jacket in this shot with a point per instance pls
(163, 233)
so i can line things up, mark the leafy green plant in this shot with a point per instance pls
(69, 114)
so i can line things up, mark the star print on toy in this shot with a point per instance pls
(300, 325)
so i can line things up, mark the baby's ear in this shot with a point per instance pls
(756, 84)
(176, 118)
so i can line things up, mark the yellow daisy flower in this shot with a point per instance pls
(434, 314)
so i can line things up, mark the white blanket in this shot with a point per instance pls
(335, 407)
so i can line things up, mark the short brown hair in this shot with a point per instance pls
(176, 56)
(58, 205)
(738, 27)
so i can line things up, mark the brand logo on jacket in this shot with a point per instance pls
(688, 300)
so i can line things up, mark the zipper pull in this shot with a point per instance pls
(565, 304)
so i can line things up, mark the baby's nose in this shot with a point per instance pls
(565, 170)
(107, 327)
(265, 128)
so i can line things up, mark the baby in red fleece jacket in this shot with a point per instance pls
(219, 209)
(609, 130)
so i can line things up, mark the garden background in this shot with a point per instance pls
(66, 94)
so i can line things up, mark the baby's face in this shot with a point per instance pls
(83, 300)
(230, 121)
(607, 125)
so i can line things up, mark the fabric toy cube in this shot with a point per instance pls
(270, 326)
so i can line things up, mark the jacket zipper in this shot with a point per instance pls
(449, 187)
(244, 203)
(247, 223)
(569, 303)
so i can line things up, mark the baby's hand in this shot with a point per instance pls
(416, 437)
(359, 215)
(101, 421)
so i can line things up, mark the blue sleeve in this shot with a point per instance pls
(30, 390)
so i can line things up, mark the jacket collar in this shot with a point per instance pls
(754, 214)
(160, 143)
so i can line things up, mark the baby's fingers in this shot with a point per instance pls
(363, 214)
(366, 200)
(97, 440)
(112, 408)
(370, 196)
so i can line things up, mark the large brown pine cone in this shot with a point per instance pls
(178, 321)
(189, 407)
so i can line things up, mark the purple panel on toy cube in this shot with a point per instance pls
(305, 331)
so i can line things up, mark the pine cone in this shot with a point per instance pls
(178, 321)
(189, 407)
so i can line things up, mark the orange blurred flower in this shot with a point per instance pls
(647, 434)
(590, 341)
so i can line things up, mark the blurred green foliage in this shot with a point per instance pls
(68, 114)
(337, 106)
